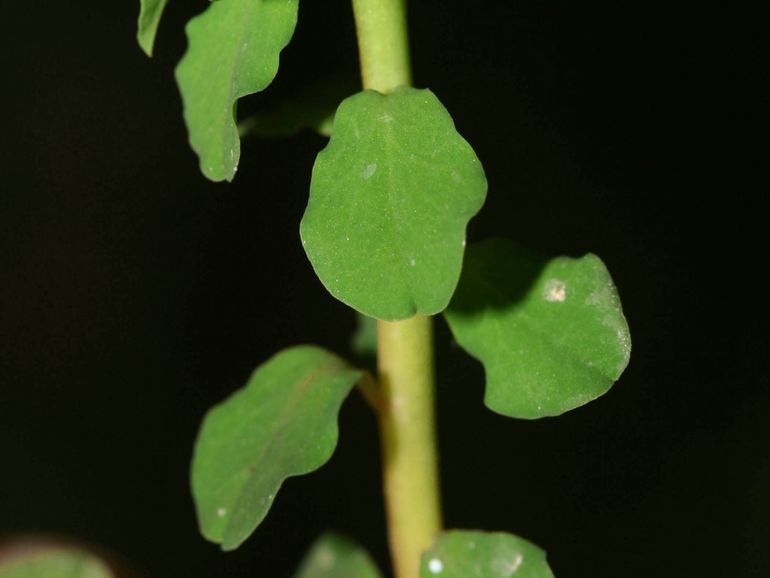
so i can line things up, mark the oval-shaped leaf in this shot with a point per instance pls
(333, 556)
(54, 562)
(233, 51)
(150, 12)
(390, 198)
(550, 333)
(464, 553)
(282, 423)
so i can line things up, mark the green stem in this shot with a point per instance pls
(383, 45)
(408, 435)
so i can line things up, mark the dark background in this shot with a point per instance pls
(134, 294)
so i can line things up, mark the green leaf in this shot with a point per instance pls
(311, 108)
(147, 26)
(56, 562)
(233, 50)
(282, 423)
(550, 333)
(364, 340)
(333, 556)
(390, 198)
(464, 553)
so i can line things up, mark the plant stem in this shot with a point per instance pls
(407, 430)
(383, 45)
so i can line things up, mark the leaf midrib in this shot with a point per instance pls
(395, 215)
(230, 121)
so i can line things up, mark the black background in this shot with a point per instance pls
(135, 294)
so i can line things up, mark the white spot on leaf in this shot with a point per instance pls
(369, 171)
(516, 563)
(221, 512)
(555, 291)
(435, 566)
(507, 567)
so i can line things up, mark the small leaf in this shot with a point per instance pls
(147, 26)
(311, 108)
(233, 51)
(333, 556)
(390, 198)
(282, 423)
(464, 553)
(54, 562)
(550, 333)
(364, 340)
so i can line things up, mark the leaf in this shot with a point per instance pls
(55, 562)
(311, 108)
(390, 198)
(282, 423)
(550, 333)
(464, 553)
(333, 556)
(233, 50)
(364, 340)
(150, 12)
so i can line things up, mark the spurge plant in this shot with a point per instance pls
(384, 229)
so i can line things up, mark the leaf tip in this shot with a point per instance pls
(230, 546)
(145, 45)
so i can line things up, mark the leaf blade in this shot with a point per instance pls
(250, 443)
(233, 51)
(334, 556)
(463, 553)
(390, 198)
(550, 333)
(150, 12)
(55, 562)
